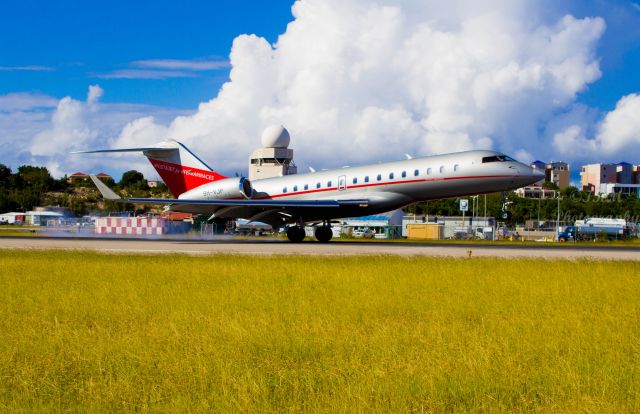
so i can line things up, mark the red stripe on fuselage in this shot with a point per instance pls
(382, 183)
(181, 178)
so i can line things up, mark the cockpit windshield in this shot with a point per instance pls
(497, 158)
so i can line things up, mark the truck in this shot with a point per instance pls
(591, 229)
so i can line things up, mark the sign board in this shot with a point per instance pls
(464, 204)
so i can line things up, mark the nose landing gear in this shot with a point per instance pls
(506, 214)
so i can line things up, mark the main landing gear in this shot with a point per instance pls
(296, 233)
(323, 234)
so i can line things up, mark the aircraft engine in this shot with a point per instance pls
(235, 187)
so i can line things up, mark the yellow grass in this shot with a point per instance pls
(91, 332)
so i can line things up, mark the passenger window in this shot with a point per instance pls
(295, 188)
(456, 167)
(366, 178)
(306, 187)
(404, 174)
(441, 169)
(317, 185)
(379, 177)
(428, 171)
(391, 176)
(284, 190)
(355, 180)
(328, 183)
(416, 173)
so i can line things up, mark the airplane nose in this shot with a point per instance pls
(535, 173)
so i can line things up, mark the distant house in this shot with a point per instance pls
(77, 177)
(153, 183)
(104, 176)
(80, 177)
(535, 191)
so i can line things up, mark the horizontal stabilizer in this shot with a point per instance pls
(143, 149)
(106, 192)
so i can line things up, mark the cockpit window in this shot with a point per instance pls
(497, 158)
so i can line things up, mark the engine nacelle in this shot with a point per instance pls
(234, 187)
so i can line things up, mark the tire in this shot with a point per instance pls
(323, 234)
(562, 240)
(295, 234)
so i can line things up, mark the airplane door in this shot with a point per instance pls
(342, 183)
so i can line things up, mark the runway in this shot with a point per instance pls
(336, 248)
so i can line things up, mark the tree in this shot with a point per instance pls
(5, 175)
(131, 178)
(37, 178)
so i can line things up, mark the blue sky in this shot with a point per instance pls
(70, 44)
(333, 79)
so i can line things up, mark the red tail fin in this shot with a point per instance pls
(180, 169)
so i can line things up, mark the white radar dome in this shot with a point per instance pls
(275, 136)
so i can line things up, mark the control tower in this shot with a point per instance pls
(274, 159)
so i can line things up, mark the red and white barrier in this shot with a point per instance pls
(131, 225)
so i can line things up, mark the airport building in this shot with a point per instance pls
(275, 158)
(556, 172)
(607, 179)
(379, 226)
(452, 227)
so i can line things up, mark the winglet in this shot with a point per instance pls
(106, 192)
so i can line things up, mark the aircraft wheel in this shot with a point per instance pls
(324, 234)
(295, 234)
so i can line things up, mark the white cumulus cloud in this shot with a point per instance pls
(358, 81)
(617, 136)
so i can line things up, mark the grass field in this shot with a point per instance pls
(91, 332)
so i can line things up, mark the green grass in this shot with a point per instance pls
(82, 331)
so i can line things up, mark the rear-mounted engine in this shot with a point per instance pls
(236, 187)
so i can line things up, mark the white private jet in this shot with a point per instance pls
(319, 197)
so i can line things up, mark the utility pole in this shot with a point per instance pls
(558, 218)
(485, 208)
(539, 202)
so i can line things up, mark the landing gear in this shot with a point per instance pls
(323, 234)
(295, 234)
(505, 214)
